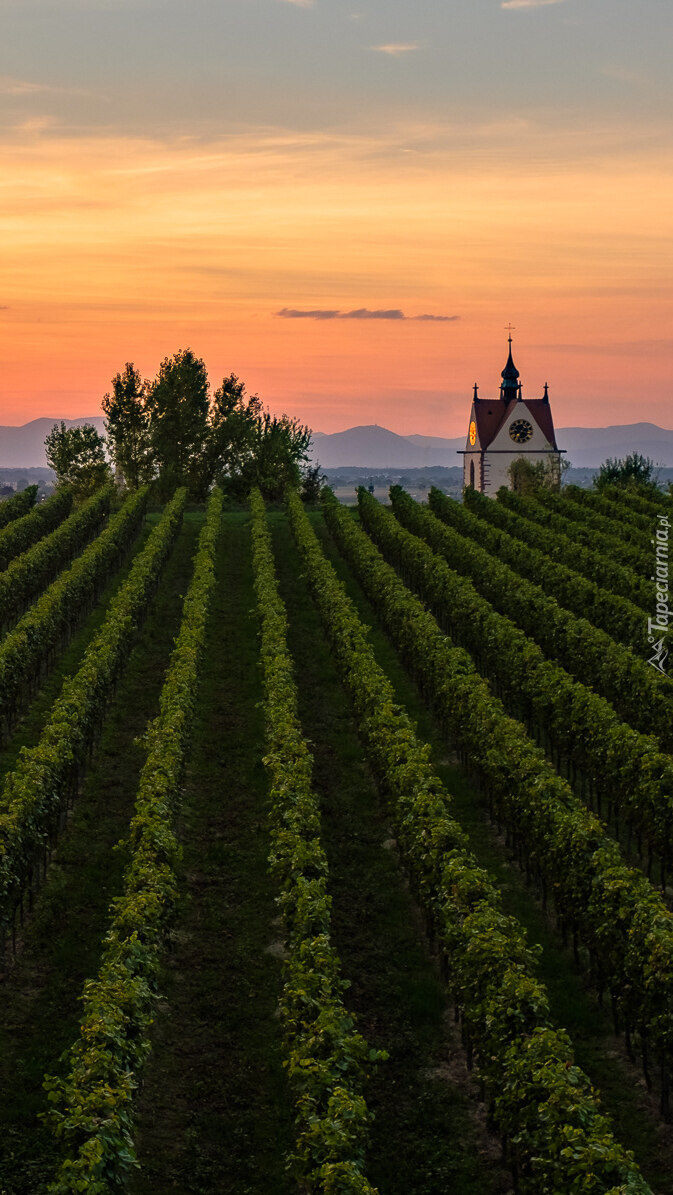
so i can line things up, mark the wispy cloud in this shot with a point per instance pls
(396, 48)
(300, 3)
(445, 319)
(528, 3)
(24, 87)
(360, 313)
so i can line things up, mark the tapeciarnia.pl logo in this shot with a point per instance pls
(657, 627)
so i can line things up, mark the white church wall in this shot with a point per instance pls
(475, 458)
(496, 465)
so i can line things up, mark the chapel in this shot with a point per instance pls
(502, 429)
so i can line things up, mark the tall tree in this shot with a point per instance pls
(128, 427)
(178, 404)
(278, 457)
(77, 456)
(629, 472)
(526, 477)
(233, 424)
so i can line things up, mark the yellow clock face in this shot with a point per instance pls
(473, 432)
(520, 431)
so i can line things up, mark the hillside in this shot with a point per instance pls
(372, 447)
(376, 447)
(23, 447)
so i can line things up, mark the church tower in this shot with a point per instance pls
(505, 428)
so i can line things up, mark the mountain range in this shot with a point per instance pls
(376, 447)
(23, 447)
(586, 447)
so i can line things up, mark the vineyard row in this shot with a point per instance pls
(326, 1058)
(92, 1107)
(556, 1137)
(623, 922)
(37, 793)
(588, 654)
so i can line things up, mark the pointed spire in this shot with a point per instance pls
(545, 396)
(510, 386)
(476, 388)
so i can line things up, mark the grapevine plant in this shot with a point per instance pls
(327, 1059)
(629, 772)
(602, 504)
(20, 504)
(556, 1137)
(36, 794)
(30, 648)
(595, 532)
(585, 564)
(565, 848)
(92, 1106)
(34, 569)
(643, 699)
(22, 533)
(617, 617)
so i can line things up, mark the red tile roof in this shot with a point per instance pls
(491, 413)
(541, 412)
(489, 416)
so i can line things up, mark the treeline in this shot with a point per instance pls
(173, 431)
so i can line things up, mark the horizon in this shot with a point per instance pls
(383, 427)
(330, 201)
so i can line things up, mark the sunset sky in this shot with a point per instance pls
(286, 186)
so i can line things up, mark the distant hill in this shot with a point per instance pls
(23, 447)
(374, 447)
(588, 447)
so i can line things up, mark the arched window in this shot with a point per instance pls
(471, 475)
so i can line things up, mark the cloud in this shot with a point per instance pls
(528, 3)
(300, 3)
(289, 313)
(445, 319)
(360, 313)
(395, 48)
(365, 313)
(11, 86)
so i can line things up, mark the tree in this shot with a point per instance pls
(77, 456)
(312, 481)
(525, 477)
(178, 404)
(630, 472)
(278, 450)
(128, 427)
(233, 425)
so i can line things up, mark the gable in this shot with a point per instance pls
(537, 413)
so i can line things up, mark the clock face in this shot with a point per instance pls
(520, 431)
(473, 432)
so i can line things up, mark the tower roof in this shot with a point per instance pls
(510, 376)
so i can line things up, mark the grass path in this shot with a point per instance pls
(597, 1050)
(61, 943)
(214, 1113)
(427, 1137)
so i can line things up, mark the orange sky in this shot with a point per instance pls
(123, 244)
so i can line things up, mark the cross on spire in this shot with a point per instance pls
(510, 328)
